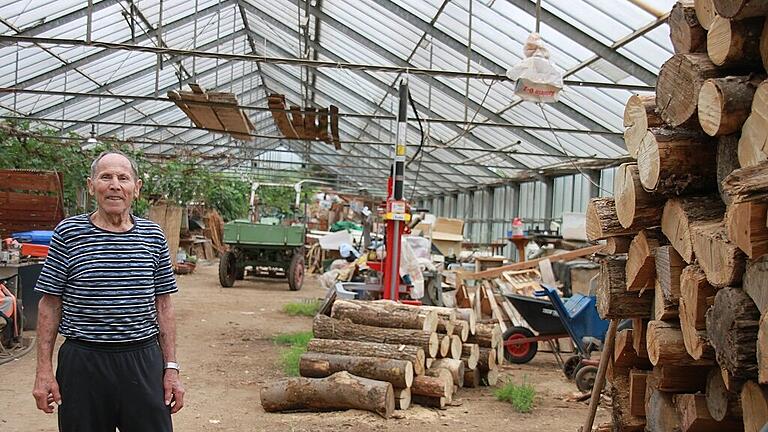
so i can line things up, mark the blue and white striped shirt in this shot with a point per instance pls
(107, 281)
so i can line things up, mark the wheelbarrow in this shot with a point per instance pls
(553, 319)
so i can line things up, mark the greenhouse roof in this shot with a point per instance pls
(110, 65)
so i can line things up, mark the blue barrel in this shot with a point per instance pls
(34, 237)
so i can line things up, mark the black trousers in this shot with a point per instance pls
(104, 387)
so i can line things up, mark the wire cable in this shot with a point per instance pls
(419, 153)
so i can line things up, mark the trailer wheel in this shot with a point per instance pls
(296, 272)
(519, 353)
(228, 269)
(585, 378)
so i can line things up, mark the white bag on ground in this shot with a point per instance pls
(409, 265)
(536, 78)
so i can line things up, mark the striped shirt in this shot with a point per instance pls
(107, 281)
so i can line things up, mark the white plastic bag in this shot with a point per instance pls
(409, 265)
(536, 79)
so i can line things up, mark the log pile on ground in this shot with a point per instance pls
(694, 276)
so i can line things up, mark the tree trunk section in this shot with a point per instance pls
(602, 221)
(624, 355)
(680, 213)
(470, 353)
(694, 290)
(666, 346)
(639, 115)
(660, 413)
(468, 315)
(471, 378)
(676, 161)
(669, 267)
(721, 260)
(696, 342)
(740, 9)
(622, 409)
(487, 359)
(403, 398)
(735, 43)
(746, 227)
(428, 401)
(318, 365)
(754, 406)
(635, 208)
(370, 349)
(445, 346)
(462, 330)
(486, 335)
(721, 403)
(613, 299)
(695, 417)
(680, 80)
(725, 104)
(639, 329)
(679, 379)
(454, 347)
(456, 367)
(424, 385)
(664, 309)
(754, 132)
(637, 384)
(762, 350)
(686, 33)
(705, 12)
(732, 326)
(490, 377)
(756, 281)
(339, 391)
(748, 184)
(617, 245)
(727, 161)
(325, 327)
(381, 314)
(444, 375)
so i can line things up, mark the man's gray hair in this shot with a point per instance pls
(134, 166)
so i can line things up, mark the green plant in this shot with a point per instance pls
(294, 339)
(521, 396)
(302, 308)
(289, 358)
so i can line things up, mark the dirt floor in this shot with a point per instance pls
(226, 352)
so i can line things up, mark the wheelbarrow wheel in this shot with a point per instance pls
(296, 272)
(571, 366)
(519, 353)
(585, 378)
(228, 269)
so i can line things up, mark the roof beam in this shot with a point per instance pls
(66, 19)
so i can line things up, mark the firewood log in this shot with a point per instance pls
(721, 260)
(694, 290)
(486, 335)
(740, 9)
(370, 349)
(735, 43)
(490, 377)
(613, 299)
(762, 350)
(624, 419)
(456, 367)
(686, 33)
(721, 403)
(635, 207)
(696, 342)
(318, 365)
(425, 385)
(664, 308)
(403, 398)
(470, 353)
(727, 162)
(462, 330)
(487, 359)
(680, 213)
(637, 384)
(660, 412)
(445, 346)
(446, 376)
(725, 103)
(680, 80)
(339, 391)
(679, 379)
(639, 330)
(745, 222)
(639, 115)
(669, 267)
(617, 245)
(471, 377)
(325, 327)
(382, 314)
(705, 12)
(754, 132)
(754, 406)
(755, 281)
(748, 184)
(675, 162)
(602, 221)
(624, 355)
(666, 346)
(732, 326)
(694, 415)
(428, 401)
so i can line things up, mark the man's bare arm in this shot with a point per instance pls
(46, 390)
(166, 320)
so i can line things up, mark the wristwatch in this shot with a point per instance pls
(172, 365)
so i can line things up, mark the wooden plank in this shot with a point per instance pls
(547, 275)
(22, 201)
(21, 180)
(495, 311)
(532, 264)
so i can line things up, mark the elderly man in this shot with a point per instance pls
(106, 287)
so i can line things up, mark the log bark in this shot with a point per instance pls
(617, 245)
(732, 326)
(462, 330)
(721, 403)
(727, 162)
(613, 299)
(639, 329)
(602, 221)
(680, 80)
(456, 367)
(666, 346)
(721, 260)
(325, 327)
(639, 115)
(490, 377)
(428, 401)
(679, 379)
(339, 391)
(470, 353)
(745, 222)
(735, 43)
(756, 281)
(669, 267)
(663, 308)
(764, 47)
(660, 413)
(705, 12)
(695, 417)
(624, 355)
(694, 290)
(487, 359)
(676, 161)
(622, 409)
(754, 406)
(686, 33)
(432, 386)
(762, 350)
(318, 365)
(680, 213)
(637, 384)
(370, 349)
(748, 184)
(635, 207)
(444, 375)
(468, 315)
(725, 104)
(486, 335)
(402, 398)
(471, 378)
(740, 9)
(382, 314)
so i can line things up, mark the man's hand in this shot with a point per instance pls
(46, 391)
(174, 391)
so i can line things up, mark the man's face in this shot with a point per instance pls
(114, 186)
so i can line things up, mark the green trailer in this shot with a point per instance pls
(261, 245)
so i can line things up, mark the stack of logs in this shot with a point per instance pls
(687, 230)
(382, 355)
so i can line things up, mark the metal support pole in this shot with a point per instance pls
(550, 198)
(594, 183)
(89, 22)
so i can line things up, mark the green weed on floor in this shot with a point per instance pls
(297, 345)
(302, 308)
(521, 396)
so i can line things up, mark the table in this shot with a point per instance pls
(520, 243)
(496, 247)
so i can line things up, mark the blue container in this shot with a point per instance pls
(34, 237)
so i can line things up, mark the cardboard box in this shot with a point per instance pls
(448, 235)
